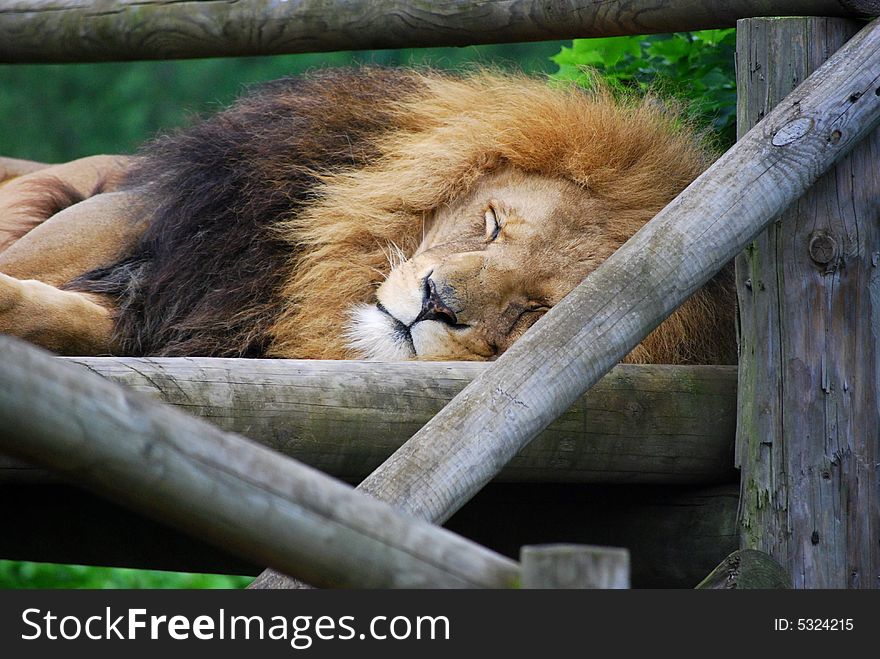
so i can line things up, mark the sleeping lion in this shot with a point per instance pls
(366, 213)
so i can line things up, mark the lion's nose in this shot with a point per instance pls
(433, 307)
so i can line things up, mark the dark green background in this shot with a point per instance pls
(60, 112)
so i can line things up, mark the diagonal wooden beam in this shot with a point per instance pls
(221, 487)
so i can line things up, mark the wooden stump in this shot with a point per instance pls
(746, 569)
(574, 566)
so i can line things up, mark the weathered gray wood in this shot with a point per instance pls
(85, 30)
(605, 317)
(639, 424)
(574, 566)
(809, 296)
(675, 534)
(221, 487)
(746, 569)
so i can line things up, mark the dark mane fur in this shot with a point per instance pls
(204, 278)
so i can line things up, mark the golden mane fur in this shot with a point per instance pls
(451, 131)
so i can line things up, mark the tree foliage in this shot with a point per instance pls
(26, 574)
(696, 67)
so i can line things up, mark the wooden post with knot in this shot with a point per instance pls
(809, 297)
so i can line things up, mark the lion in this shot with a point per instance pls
(352, 214)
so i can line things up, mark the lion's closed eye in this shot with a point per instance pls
(494, 221)
(530, 315)
(517, 319)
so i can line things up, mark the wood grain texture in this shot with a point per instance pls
(602, 319)
(746, 569)
(221, 487)
(102, 30)
(809, 295)
(574, 566)
(639, 424)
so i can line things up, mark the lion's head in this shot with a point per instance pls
(489, 266)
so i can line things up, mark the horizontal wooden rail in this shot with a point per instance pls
(640, 424)
(222, 487)
(89, 31)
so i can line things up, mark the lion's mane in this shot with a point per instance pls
(270, 219)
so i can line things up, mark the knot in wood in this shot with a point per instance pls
(823, 248)
(634, 410)
(792, 131)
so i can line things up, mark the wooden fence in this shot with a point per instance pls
(88, 31)
(639, 425)
(809, 483)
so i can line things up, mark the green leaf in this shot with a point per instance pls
(694, 67)
(605, 52)
(671, 50)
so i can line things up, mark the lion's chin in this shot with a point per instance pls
(376, 336)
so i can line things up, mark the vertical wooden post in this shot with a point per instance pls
(809, 296)
(574, 566)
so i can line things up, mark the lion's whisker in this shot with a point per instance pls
(383, 274)
(398, 254)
